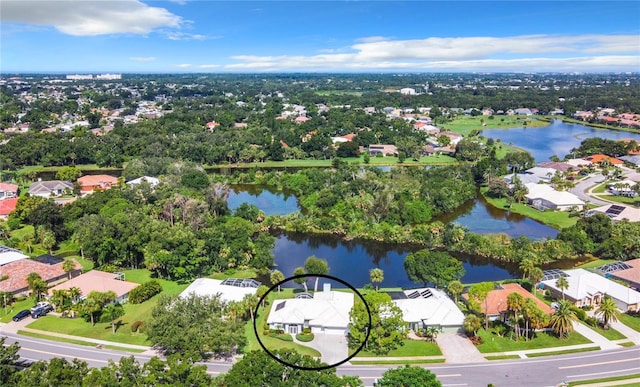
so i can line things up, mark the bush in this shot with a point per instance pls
(144, 292)
(306, 331)
(283, 337)
(476, 340)
(582, 315)
(136, 326)
(305, 337)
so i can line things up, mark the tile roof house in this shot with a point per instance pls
(587, 288)
(617, 212)
(429, 307)
(100, 281)
(90, 183)
(630, 275)
(8, 190)
(18, 271)
(381, 149)
(599, 158)
(47, 189)
(324, 312)
(228, 290)
(496, 301)
(7, 206)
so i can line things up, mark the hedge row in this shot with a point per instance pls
(144, 292)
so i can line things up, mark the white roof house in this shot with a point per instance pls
(533, 175)
(587, 288)
(50, 188)
(324, 312)
(8, 255)
(229, 290)
(153, 181)
(543, 196)
(429, 307)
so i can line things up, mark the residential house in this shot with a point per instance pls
(588, 289)
(454, 137)
(557, 166)
(543, 196)
(346, 138)
(231, 289)
(429, 307)
(90, 183)
(630, 275)
(99, 281)
(8, 255)
(496, 307)
(8, 190)
(631, 159)
(622, 188)
(7, 206)
(17, 271)
(617, 212)
(408, 91)
(383, 149)
(533, 175)
(326, 311)
(152, 181)
(50, 188)
(600, 158)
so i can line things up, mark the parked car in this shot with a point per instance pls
(39, 312)
(21, 314)
(42, 304)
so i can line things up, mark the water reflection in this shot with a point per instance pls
(558, 138)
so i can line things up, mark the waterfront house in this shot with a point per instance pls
(99, 281)
(496, 306)
(47, 189)
(231, 289)
(90, 183)
(588, 289)
(326, 311)
(543, 196)
(427, 308)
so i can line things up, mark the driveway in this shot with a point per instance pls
(457, 348)
(582, 187)
(332, 347)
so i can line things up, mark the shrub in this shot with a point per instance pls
(284, 337)
(476, 340)
(136, 326)
(305, 337)
(144, 292)
(306, 331)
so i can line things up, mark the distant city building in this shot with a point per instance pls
(108, 76)
(79, 77)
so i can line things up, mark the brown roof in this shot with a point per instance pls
(9, 187)
(560, 166)
(97, 280)
(19, 270)
(632, 274)
(497, 299)
(96, 180)
(8, 205)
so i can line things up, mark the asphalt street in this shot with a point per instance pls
(547, 371)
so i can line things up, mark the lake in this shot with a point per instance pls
(558, 138)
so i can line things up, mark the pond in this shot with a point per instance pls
(558, 138)
(352, 260)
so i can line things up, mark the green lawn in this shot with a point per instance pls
(405, 361)
(591, 382)
(465, 124)
(143, 275)
(6, 314)
(492, 343)
(272, 343)
(410, 348)
(502, 357)
(621, 199)
(247, 273)
(597, 263)
(610, 333)
(556, 219)
(632, 322)
(553, 353)
(78, 342)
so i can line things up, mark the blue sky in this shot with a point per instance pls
(318, 36)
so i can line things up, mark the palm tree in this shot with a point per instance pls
(608, 310)
(472, 324)
(261, 291)
(302, 280)
(536, 275)
(562, 319)
(515, 303)
(250, 301)
(68, 265)
(563, 284)
(275, 277)
(112, 312)
(526, 265)
(455, 287)
(377, 276)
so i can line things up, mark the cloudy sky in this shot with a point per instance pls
(318, 36)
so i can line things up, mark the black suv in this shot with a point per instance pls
(39, 312)
(21, 314)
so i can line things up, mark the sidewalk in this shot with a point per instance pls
(594, 336)
(631, 334)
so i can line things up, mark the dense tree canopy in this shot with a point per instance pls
(433, 267)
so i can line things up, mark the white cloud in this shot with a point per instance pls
(527, 53)
(183, 65)
(142, 58)
(89, 18)
(209, 66)
(179, 35)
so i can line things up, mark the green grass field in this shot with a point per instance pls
(410, 348)
(465, 124)
(553, 353)
(610, 333)
(556, 219)
(405, 361)
(78, 342)
(502, 357)
(597, 263)
(493, 343)
(6, 314)
(632, 322)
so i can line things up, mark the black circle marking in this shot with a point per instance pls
(255, 328)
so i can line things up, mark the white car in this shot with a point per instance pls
(42, 305)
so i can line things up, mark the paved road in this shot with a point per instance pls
(546, 371)
(581, 188)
